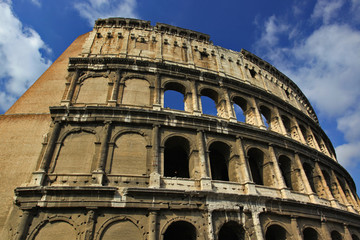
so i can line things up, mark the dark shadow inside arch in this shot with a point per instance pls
(176, 157)
(285, 168)
(354, 237)
(309, 172)
(310, 234)
(335, 235)
(180, 230)
(287, 124)
(256, 160)
(276, 232)
(231, 231)
(219, 158)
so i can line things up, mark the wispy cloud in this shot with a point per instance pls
(36, 3)
(322, 57)
(21, 59)
(94, 9)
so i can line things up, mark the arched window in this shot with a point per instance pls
(209, 102)
(136, 92)
(310, 234)
(176, 157)
(174, 96)
(286, 171)
(76, 153)
(256, 161)
(309, 172)
(276, 232)
(241, 108)
(231, 231)
(266, 116)
(180, 230)
(335, 235)
(219, 160)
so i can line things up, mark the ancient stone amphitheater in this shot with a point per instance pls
(92, 151)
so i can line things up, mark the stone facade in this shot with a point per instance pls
(93, 153)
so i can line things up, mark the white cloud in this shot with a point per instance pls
(20, 56)
(94, 9)
(36, 3)
(327, 9)
(324, 62)
(273, 28)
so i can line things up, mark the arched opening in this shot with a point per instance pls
(310, 234)
(354, 237)
(309, 172)
(266, 116)
(219, 154)
(287, 124)
(328, 181)
(174, 96)
(121, 228)
(240, 107)
(285, 168)
(231, 231)
(176, 157)
(276, 232)
(303, 132)
(256, 161)
(180, 230)
(209, 102)
(335, 235)
(56, 230)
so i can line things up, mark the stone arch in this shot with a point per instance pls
(56, 227)
(231, 231)
(120, 226)
(287, 124)
(335, 235)
(178, 230)
(276, 232)
(266, 116)
(76, 153)
(137, 91)
(176, 157)
(78, 129)
(260, 171)
(354, 237)
(328, 181)
(286, 171)
(219, 155)
(130, 149)
(310, 233)
(242, 110)
(179, 88)
(215, 97)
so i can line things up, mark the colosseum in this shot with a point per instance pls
(92, 151)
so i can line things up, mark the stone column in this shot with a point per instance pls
(295, 229)
(259, 121)
(280, 182)
(195, 98)
(115, 92)
(71, 89)
(152, 225)
(325, 230)
(305, 180)
(229, 106)
(244, 168)
(158, 93)
(98, 174)
(301, 136)
(203, 161)
(155, 171)
(211, 234)
(347, 234)
(330, 197)
(121, 91)
(341, 193)
(257, 225)
(38, 176)
(90, 224)
(23, 227)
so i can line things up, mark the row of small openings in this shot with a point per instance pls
(181, 33)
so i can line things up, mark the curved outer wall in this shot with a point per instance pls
(116, 162)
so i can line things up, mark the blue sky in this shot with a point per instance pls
(316, 43)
